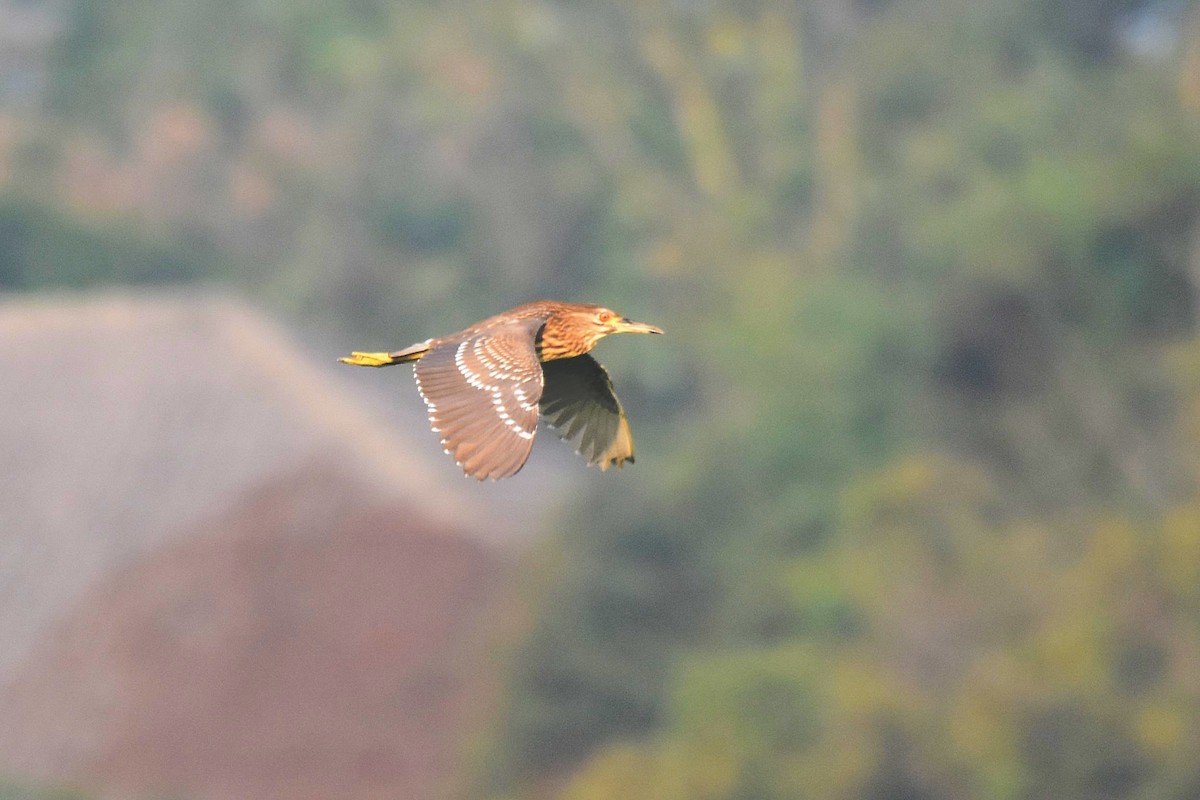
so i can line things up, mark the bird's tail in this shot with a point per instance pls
(408, 354)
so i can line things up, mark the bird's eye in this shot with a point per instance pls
(605, 316)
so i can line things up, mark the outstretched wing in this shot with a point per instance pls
(482, 392)
(579, 402)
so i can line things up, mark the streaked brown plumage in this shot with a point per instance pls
(486, 386)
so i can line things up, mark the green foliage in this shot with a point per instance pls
(420, 225)
(42, 247)
(12, 791)
(964, 274)
(999, 659)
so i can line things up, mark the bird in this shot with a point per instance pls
(487, 386)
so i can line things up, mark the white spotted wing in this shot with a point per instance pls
(482, 393)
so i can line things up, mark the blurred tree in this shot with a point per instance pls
(41, 247)
(980, 256)
(9, 791)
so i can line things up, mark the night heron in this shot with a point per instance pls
(486, 386)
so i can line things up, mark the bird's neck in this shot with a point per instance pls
(553, 343)
(549, 352)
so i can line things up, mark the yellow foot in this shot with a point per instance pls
(367, 359)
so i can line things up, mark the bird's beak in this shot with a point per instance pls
(629, 326)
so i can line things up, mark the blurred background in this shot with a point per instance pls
(916, 513)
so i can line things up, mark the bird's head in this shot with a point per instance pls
(607, 321)
(576, 330)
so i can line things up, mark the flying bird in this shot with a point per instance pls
(486, 386)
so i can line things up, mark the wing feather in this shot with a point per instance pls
(482, 392)
(579, 403)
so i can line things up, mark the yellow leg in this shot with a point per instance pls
(368, 359)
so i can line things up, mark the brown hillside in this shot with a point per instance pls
(215, 584)
(290, 650)
(130, 419)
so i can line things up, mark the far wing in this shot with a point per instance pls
(579, 402)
